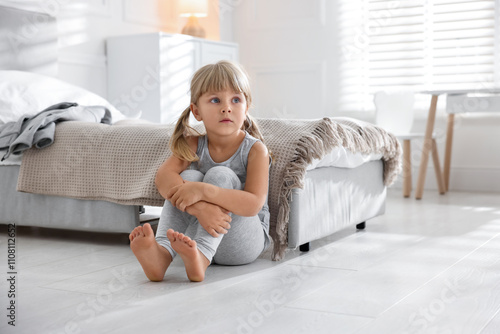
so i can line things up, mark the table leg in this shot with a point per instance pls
(406, 168)
(437, 168)
(427, 147)
(447, 152)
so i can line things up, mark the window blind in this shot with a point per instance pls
(414, 45)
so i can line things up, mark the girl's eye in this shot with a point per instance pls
(215, 100)
(236, 100)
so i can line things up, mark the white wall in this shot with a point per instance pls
(85, 25)
(290, 49)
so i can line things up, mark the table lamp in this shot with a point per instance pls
(193, 9)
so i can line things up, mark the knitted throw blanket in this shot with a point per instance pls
(118, 163)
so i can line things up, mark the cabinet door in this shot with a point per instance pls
(213, 52)
(134, 75)
(178, 64)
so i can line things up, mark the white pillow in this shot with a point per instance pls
(24, 93)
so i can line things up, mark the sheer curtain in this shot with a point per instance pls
(415, 45)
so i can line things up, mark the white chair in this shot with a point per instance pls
(394, 113)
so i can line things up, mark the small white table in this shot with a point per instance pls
(449, 132)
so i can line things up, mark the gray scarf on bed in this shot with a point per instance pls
(38, 130)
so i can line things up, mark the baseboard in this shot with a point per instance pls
(481, 179)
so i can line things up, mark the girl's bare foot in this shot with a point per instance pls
(195, 262)
(153, 258)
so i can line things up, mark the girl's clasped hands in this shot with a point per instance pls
(214, 219)
(185, 194)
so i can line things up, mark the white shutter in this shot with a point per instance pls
(414, 45)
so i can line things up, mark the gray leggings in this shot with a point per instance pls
(244, 241)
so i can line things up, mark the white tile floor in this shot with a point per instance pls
(429, 266)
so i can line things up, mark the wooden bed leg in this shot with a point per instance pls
(304, 247)
(361, 226)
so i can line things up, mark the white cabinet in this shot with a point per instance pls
(151, 73)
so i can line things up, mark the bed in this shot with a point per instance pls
(328, 174)
(28, 87)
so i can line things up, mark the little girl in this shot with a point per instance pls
(215, 184)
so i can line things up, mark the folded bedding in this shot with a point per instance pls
(38, 130)
(118, 163)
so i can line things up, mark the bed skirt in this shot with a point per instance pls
(25, 209)
(334, 199)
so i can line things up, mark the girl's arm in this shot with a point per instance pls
(168, 175)
(247, 202)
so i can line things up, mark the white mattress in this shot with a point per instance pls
(343, 158)
(338, 157)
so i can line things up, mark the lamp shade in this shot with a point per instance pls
(198, 8)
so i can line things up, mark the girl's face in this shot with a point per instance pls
(222, 112)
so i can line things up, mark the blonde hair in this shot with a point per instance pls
(212, 78)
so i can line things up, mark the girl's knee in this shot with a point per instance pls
(223, 177)
(192, 175)
(220, 170)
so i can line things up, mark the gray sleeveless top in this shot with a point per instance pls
(238, 163)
